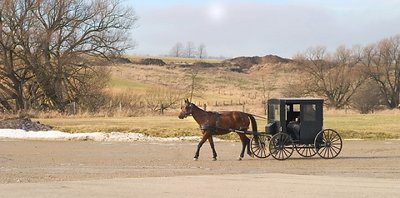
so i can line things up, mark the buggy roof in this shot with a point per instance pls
(295, 100)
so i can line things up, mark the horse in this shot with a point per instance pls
(220, 123)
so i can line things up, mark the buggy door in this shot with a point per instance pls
(311, 122)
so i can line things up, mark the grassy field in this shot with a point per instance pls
(221, 89)
(370, 126)
(365, 126)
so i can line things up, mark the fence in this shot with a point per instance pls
(123, 108)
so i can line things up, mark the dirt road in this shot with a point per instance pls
(39, 164)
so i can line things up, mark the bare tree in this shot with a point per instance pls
(53, 40)
(177, 50)
(367, 98)
(268, 86)
(156, 97)
(194, 88)
(13, 74)
(190, 50)
(201, 51)
(334, 76)
(382, 64)
(294, 88)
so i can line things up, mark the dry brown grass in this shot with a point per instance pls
(382, 125)
(219, 86)
(221, 90)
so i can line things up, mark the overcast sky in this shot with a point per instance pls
(260, 27)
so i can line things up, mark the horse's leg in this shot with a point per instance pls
(204, 139)
(244, 144)
(210, 139)
(251, 154)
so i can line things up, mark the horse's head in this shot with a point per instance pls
(186, 109)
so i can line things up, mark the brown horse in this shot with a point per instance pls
(220, 123)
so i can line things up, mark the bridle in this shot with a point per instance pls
(188, 113)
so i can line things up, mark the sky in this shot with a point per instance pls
(261, 27)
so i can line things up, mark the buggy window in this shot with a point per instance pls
(292, 112)
(274, 112)
(310, 112)
(296, 107)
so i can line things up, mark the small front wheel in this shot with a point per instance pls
(306, 150)
(259, 145)
(328, 143)
(281, 146)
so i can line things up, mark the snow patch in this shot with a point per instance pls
(94, 136)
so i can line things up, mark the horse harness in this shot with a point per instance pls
(211, 125)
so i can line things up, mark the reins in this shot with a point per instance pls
(258, 116)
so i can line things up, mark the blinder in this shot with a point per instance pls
(188, 113)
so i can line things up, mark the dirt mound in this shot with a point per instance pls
(23, 123)
(245, 63)
(152, 61)
(121, 60)
(274, 59)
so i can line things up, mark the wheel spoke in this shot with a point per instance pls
(285, 152)
(301, 152)
(262, 153)
(323, 150)
(333, 146)
(279, 154)
(336, 149)
(306, 150)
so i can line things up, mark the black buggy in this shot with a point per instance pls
(296, 124)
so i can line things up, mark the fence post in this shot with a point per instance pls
(162, 108)
(74, 107)
(205, 107)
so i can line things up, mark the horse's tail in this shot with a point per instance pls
(253, 125)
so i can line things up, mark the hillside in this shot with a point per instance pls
(218, 85)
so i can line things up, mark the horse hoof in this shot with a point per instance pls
(195, 159)
(214, 159)
(240, 158)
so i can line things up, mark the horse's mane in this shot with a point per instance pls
(209, 112)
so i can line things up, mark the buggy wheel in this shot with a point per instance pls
(305, 150)
(281, 146)
(328, 143)
(259, 145)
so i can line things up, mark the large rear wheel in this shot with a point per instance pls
(259, 145)
(281, 146)
(328, 143)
